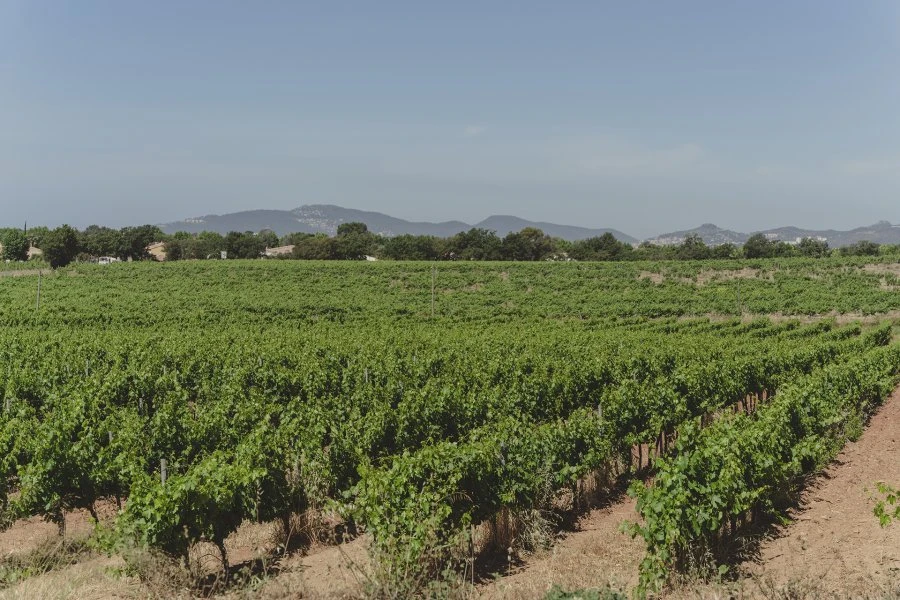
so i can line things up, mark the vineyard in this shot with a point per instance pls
(439, 409)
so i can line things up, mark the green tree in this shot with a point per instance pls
(411, 247)
(185, 246)
(60, 246)
(861, 248)
(243, 245)
(693, 248)
(177, 249)
(316, 247)
(649, 251)
(15, 245)
(269, 238)
(758, 246)
(100, 241)
(354, 245)
(352, 228)
(604, 247)
(292, 239)
(723, 251)
(134, 241)
(36, 236)
(783, 249)
(529, 244)
(475, 244)
(813, 248)
(209, 244)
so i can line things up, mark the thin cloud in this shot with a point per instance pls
(643, 160)
(874, 166)
(473, 130)
(609, 157)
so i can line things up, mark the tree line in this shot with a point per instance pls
(354, 241)
(65, 244)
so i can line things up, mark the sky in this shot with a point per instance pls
(643, 116)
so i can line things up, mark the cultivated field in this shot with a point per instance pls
(283, 429)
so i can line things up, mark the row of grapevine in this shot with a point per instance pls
(287, 294)
(421, 500)
(747, 466)
(199, 396)
(302, 422)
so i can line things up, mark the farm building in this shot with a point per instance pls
(157, 251)
(279, 251)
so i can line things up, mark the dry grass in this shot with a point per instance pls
(326, 572)
(515, 533)
(756, 588)
(62, 568)
(93, 579)
(710, 276)
(25, 272)
(713, 275)
(656, 278)
(885, 269)
(838, 318)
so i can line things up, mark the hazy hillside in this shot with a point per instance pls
(325, 218)
(713, 235)
(504, 224)
(882, 233)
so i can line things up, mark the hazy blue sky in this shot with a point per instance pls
(644, 116)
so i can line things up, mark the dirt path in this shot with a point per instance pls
(596, 555)
(20, 272)
(332, 572)
(835, 540)
(27, 534)
(833, 546)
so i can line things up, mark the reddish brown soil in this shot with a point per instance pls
(332, 572)
(834, 538)
(27, 534)
(833, 545)
(596, 555)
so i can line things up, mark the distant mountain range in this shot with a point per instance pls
(882, 233)
(325, 218)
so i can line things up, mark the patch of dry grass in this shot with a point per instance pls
(93, 579)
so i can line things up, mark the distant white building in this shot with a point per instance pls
(665, 241)
(817, 238)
